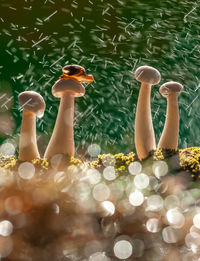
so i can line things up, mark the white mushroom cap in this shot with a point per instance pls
(147, 74)
(68, 85)
(170, 87)
(33, 102)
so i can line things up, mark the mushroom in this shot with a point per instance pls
(169, 137)
(33, 105)
(67, 87)
(144, 132)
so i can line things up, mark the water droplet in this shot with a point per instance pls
(171, 201)
(109, 173)
(13, 205)
(153, 225)
(108, 160)
(153, 183)
(187, 201)
(101, 192)
(192, 242)
(94, 150)
(26, 170)
(169, 235)
(136, 198)
(40, 114)
(6, 228)
(7, 149)
(135, 168)
(141, 181)
(123, 249)
(154, 203)
(175, 218)
(94, 176)
(109, 208)
(160, 168)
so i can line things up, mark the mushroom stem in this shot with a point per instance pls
(170, 134)
(62, 139)
(28, 149)
(144, 132)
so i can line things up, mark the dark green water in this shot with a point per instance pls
(110, 39)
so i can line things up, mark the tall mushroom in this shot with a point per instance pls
(33, 105)
(68, 87)
(144, 132)
(170, 134)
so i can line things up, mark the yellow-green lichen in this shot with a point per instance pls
(190, 159)
(8, 162)
(120, 161)
(44, 164)
(74, 161)
(158, 154)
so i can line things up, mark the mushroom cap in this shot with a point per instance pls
(170, 87)
(147, 74)
(33, 102)
(68, 85)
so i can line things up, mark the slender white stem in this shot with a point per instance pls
(170, 134)
(28, 149)
(62, 139)
(144, 132)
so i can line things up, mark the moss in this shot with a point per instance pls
(11, 163)
(39, 163)
(122, 168)
(45, 164)
(95, 164)
(162, 154)
(188, 160)
(158, 154)
(120, 161)
(8, 162)
(74, 161)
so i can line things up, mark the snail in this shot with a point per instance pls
(76, 73)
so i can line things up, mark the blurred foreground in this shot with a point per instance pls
(113, 208)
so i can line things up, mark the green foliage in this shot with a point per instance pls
(110, 39)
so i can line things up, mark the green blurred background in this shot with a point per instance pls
(110, 39)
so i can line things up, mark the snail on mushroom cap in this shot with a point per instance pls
(67, 87)
(76, 73)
